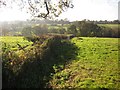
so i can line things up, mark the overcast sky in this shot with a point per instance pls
(93, 10)
(83, 9)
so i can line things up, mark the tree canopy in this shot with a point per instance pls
(40, 8)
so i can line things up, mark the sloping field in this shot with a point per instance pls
(96, 65)
(110, 25)
(12, 41)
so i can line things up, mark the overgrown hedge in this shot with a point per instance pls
(34, 66)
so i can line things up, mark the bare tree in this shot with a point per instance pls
(40, 8)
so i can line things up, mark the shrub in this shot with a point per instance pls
(33, 66)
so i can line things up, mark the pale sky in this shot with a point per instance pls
(83, 9)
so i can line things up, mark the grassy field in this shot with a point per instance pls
(110, 25)
(95, 64)
(11, 42)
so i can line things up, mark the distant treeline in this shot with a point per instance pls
(78, 28)
(91, 29)
(65, 21)
(85, 28)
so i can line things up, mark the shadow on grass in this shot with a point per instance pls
(37, 73)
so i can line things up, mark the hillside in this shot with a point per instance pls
(79, 63)
(95, 66)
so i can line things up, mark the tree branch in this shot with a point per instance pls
(3, 3)
(29, 2)
(46, 9)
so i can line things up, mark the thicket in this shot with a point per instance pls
(90, 29)
(34, 66)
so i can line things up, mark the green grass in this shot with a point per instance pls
(109, 25)
(11, 42)
(57, 26)
(96, 65)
